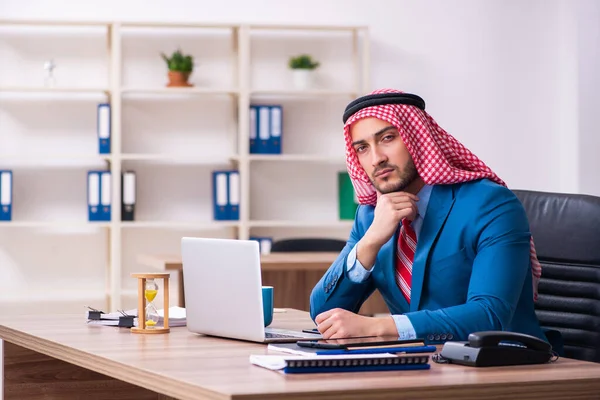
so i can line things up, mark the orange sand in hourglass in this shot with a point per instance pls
(150, 295)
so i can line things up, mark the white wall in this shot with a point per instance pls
(488, 70)
(515, 81)
(588, 47)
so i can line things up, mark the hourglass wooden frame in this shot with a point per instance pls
(142, 303)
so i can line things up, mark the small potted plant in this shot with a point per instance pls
(180, 67)
(303, 67)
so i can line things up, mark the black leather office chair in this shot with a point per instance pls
(308, 244)
(566, 232)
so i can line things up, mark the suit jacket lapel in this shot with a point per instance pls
(440, 203)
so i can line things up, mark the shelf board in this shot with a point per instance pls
(166, 24)
(54, 224)
(298, 158)
(179, 90)
(200, 225)
(53, 296)
(53, 161)
(50, 157)
(42, 22)
(298, 92)
(41, 89)
(299, 224)
(177, 24)
(179, 158)
(338, 28)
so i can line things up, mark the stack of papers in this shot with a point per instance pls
(177, 316)
(128, 318)
(124, 319)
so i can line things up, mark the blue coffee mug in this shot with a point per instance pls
(267, 297)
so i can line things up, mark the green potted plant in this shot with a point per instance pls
(180, 67)
(303, 67)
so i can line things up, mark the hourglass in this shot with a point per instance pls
(147, 313)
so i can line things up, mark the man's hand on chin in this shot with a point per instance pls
(339, 323)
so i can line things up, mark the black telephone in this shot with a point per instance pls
(496, 348)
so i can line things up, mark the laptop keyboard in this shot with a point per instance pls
(271, 335)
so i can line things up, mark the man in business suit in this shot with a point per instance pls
(436, 232)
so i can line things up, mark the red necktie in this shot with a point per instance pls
(407, 244)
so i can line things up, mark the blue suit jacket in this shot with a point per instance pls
(471, 270)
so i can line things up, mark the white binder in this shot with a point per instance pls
(5, 195)
(103, 115)
(93, 196)
(221, 204)
(252, 131)
(105, 195)
(128, 196)
(264, 129)
(234, 195)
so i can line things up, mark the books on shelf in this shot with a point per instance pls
(6, 196)
(266, 129)
(226, 195)
(99, 195)
(103, 128)
(341, 363)
(347, 201)
(128, 196)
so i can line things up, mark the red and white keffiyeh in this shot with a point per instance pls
(438, 157)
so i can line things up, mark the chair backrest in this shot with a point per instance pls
(308, 244)
(566, 233)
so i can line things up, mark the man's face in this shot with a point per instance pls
(383, 155)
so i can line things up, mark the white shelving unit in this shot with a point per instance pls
(25, 89)
(251, 62)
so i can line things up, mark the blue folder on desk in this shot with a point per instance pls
(293, 348)
(340, 363)
(402, 349)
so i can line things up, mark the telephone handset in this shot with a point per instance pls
(496, 348)
(494, 338)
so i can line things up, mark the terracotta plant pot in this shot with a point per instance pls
(179, 79)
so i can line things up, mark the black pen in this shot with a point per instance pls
(315, 331)
(318, 345)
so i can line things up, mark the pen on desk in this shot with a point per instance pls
(318, 345)
(393, 350)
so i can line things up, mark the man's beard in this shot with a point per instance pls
(406, 177)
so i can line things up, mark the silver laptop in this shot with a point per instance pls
(223, 291)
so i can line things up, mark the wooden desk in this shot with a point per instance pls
(293, 276)
(62, 357)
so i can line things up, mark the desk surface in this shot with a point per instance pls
(189, 366)
(269, 262)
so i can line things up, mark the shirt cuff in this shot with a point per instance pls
(356, 272)
(405, 328)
